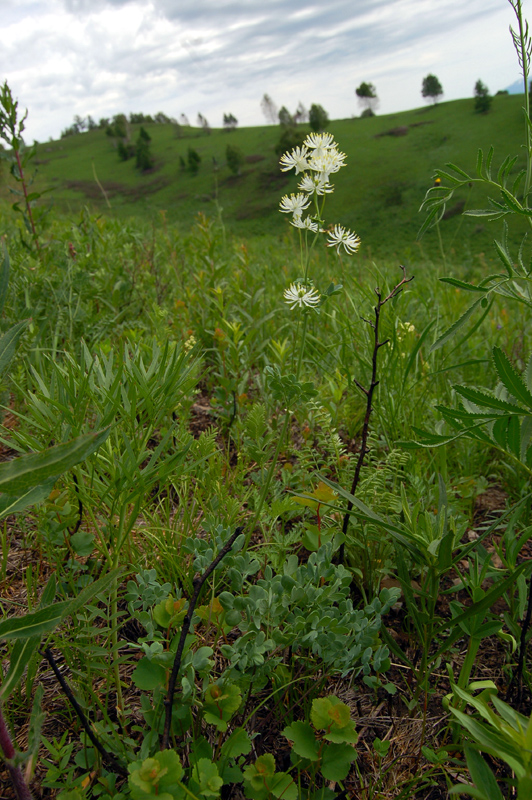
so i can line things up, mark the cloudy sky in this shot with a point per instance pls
(102, 57)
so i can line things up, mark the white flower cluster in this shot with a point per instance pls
(317, 159)
(299, 295)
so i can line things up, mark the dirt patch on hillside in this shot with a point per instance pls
(454, 210)
(254, 211)
(92, 191)
(270, 180)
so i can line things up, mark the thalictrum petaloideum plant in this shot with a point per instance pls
(316, 160)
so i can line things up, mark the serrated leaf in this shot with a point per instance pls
(500, 431)
(238, 744)
(467, 287)
(511, 378)
(513, 436)
(485, 400)
(337, 760)
(449, 333)
(303, 738)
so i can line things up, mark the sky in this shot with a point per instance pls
(102, 57)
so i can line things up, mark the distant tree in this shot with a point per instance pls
(367, 98)
(301, 114)
(230, 122)
(269, 109)
(286, 119)
(318, 118)
(193, 160)
(103, 123)
(367, 113)
(142, 151)
(235, 158)
(79, 123)
(125, 150)
(91, 124)
(161, 118)
(431, 88)
(119, 127)
(483, 99)
(183, 120)
(202, 122)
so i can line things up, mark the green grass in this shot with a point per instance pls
(378, 196)
(164, 331)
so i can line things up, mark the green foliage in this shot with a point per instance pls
(504, 734)
(431, 88)
(483, 99)
(162, 371)
(157, 776)
(142, 151)
(318, 118)
(286, 120)
(235, 158)
(367, 97)
(193, 160)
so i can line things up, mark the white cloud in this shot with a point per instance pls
(100, 57)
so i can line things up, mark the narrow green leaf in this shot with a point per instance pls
(485, 212)
(12, 505)
(23, 649)
(458, 170)
(513, 436)
(500, 432)
(505, 257)
(449, 333)
(402, 535)
(43, 621)
(512, 202)
(486, 400)
(37, 623)
(8, 344)
(4, 277)
(511, 378)
(489, 159)
(467, 287)
(415, 351)
(476, 608)
(480, 162)
(19, 475)
(482, 776)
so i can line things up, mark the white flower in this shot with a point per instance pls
(295, 204)
(313, 183)
(340, 236)
(319, 142)
(306, 224)
(298, 295)
(297, 158)
(327, 162)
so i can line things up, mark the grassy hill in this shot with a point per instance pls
(391, 160)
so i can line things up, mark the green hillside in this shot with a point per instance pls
(391, 162)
